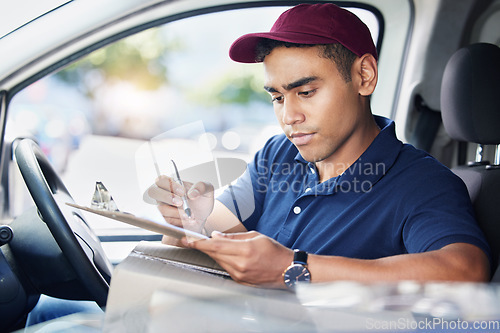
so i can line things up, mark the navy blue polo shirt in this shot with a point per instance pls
(394, 199)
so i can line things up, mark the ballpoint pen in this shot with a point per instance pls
(185, 205)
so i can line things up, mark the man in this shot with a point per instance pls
(338, 185)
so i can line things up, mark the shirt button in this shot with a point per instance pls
(308, 189)
(297, 210)
(312, 171)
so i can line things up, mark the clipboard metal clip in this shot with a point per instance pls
(102, 199)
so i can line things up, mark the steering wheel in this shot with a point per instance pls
(77, 241)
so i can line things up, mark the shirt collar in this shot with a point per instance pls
(374, 163)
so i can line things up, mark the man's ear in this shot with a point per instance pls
(365, 68)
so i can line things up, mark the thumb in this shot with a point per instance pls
(200, 188)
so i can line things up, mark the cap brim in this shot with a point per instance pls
(244, 48)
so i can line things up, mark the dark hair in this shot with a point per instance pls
(338, 53)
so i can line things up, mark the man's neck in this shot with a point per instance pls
(337, 163)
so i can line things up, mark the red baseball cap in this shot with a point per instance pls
(310, 24)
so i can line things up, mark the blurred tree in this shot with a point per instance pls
(139, 59)
(242, 90)
(232, 88)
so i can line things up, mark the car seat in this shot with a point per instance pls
(470, 106)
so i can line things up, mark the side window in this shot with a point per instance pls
(174, 82)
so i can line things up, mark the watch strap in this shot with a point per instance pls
(300, 257)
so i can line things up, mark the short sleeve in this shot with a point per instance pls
(441, 214)
(245, 197)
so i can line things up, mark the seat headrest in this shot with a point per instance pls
(470, 94)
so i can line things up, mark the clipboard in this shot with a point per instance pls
(164, 227)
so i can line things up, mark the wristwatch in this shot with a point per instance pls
(297, 271)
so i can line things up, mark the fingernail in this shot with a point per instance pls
(217, 234)
(177, 201)
(194, 193)
(179, 191)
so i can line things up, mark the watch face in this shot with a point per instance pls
(296, 273)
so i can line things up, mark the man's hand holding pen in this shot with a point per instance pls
(169, 194)
(249, 257)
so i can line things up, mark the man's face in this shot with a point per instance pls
(318, 111)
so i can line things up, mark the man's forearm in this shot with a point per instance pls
(455, 262)
(223, 220)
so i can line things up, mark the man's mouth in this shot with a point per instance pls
(300, 139)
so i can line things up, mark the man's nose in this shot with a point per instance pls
(292, 113)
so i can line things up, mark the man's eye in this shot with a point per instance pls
(277, 99)
(307, 93)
